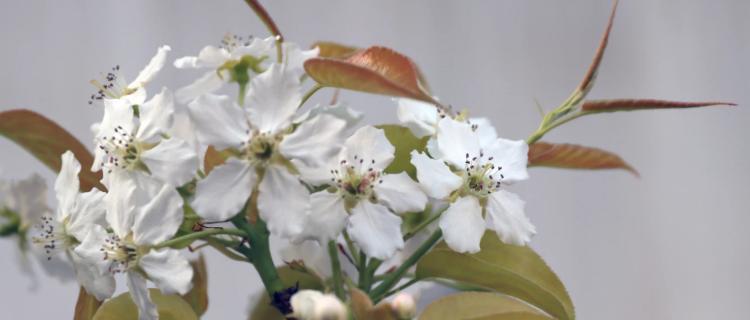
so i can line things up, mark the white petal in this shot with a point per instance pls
(376, 230)
(455, 140)
(117, 113)
(159, 219)
(339, 110)
(207, 83)
(156, 116)
(484, 130)
(171, 161)
(170, 271)
(505, 215)
(139, 292)
(218, 121)
(224, 192)
(294, 57)
(315, 141)
(512, 156)
(325, 219)
(151, 69)
(258, 47)
(282, 201)
(102, 286)
(67, 184)
(462, 225)
(273, 99)
(400, 193)
(369, 145)
(28, 198)
(121, 201)
(137, 97)
(434, 176)
(315, 175)
(209, 57)
(90, 210)
(90, 249)
(420, 117)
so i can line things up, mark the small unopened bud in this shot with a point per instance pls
(314, 305)
(404, 306)
(329, 307)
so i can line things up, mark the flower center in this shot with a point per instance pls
(481, 176)
(52, 237)
(260, 147)
(355, 180)
(121, 150)
(120, 254)
(112, 86)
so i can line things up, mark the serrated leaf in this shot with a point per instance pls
(404, 141)
(571, 156)
(377, 70)
(289, 277)
(197, 297)
(170, 307)
(86, 306)
(597, 106)
(480, 305)
(513, 270)
(334, 50)
(47, 141)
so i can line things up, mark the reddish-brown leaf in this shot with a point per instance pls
(571, 156)
(588, 79)
(86, 306)
(375, 70)
(642, 104)
(213, 158)
(334, 50)
(47, 141)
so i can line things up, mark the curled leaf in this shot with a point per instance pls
(334, 50)
(571, 156)
(86, 306)
(377, 70)
(47, 141)
(596, 106)
(197, 297)
(480, 305)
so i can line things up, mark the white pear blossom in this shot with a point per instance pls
(114, 85)
(130, 248)
(133, 140)
(76, 214)
(23, 203)
(269, 150)
(233, 49)
(470, 176)
(362, 198)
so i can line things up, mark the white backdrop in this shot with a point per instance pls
(670, 245)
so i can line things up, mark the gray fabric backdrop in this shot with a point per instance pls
(670, 245)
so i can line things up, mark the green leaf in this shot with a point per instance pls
(86, 306)
(197, 297)
(513, 270)
(480, 305)
(47, 141)
(289, 277)
(404, 141)
(171, 307)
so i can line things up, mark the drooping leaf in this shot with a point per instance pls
(47, 141)
(170, 307)
(571, 156)
(334, 50)
(597, 106)
(480, 305)
(197, 297)
(263, 309)
(377, 70)
(404, 141)
(513, 270)
(86, 306)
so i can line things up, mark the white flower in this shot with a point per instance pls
(470, 176)
(24, 201)
(269, 149)
(363, 198)
(314, 305)
(233, 51)
(132, 139)
(129, 250)
(114, 85)
(76, 214)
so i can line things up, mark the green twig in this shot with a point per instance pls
(309, 94)
(259, 252)
(338, 285)
(199, 235)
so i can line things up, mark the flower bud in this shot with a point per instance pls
(303, 304)
(328, 307)
(404, 306)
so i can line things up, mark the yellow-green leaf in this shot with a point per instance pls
(86, 305)
(170, 307)
(197, 297)
(377, 70)
(480, 305)
(513, 270)
(404, 141)
(571, 156)
(263, 309)
(47, 141)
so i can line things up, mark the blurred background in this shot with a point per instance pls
(672, 244)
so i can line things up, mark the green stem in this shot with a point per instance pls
(393, 278)
(309, 94)
(365, 278)
(401, 287)
(259, 252)
(423, 225)
(199, 235)
(338, 285)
